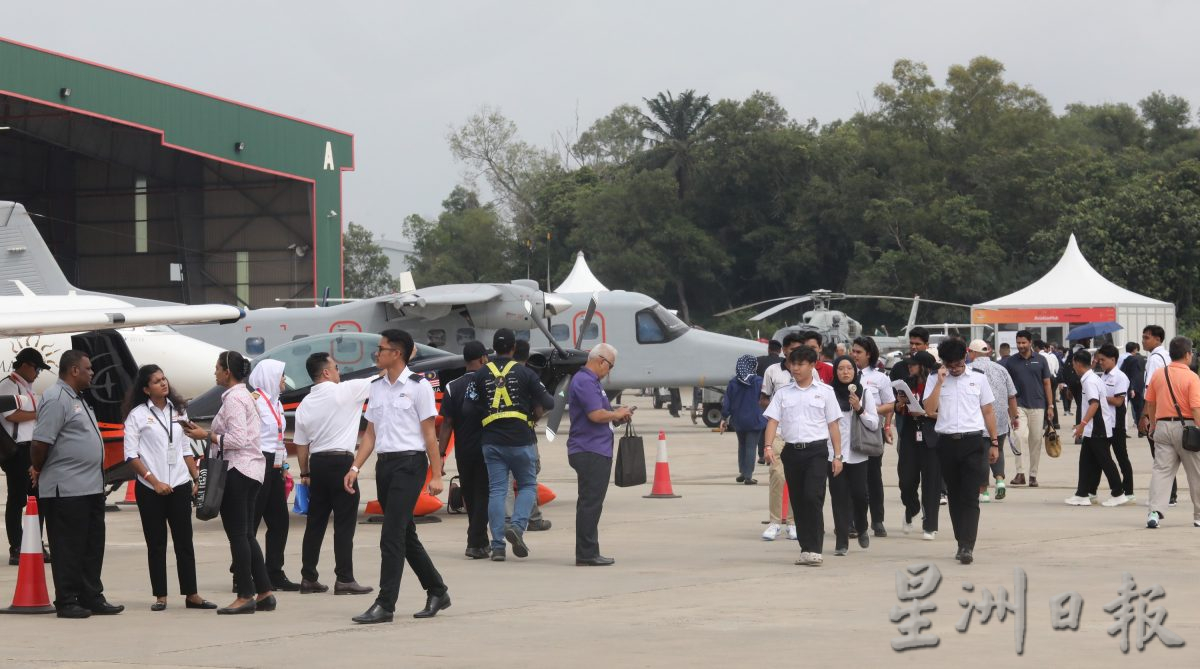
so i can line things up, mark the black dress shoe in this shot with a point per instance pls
(375, 614)
(433, 604)
(879, 530)
(598, 561)
(351, 588)
(284, 584)
(965, 556)
(308, 587)
(750, 482)
(478, 553)
(14, 557)
(158, 606)
(205, 604)
(267, 604)
(740, 478)
(73, 611)
(248, 607)
(103, 608)
(864, 540)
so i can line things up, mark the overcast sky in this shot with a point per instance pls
(399, 74)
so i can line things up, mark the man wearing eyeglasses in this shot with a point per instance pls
(590, 450)
(510, 396)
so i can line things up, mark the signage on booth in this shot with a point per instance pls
(1082, 315)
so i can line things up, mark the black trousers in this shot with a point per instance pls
(327, 494)
(806, 471)
(76, 527)
(963, 467)
(848, 494)
(20, 487)
(593, 470)
(874, 490)
(400, 478)
(1175, 482)
(1095, 457)
(158, 513)
(920, 472)
(271, 505)
(237, 517)
(473, 479)
(1121, 453)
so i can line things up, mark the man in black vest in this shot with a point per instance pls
(510, 395)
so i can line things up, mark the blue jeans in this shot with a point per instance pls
(522, 462)
(747, 446)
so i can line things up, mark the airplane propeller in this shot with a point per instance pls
(560, 391)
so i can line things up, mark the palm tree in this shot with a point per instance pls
(674, 126)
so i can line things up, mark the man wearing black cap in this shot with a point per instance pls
(510, 396)
(462, 417)
(18, 424)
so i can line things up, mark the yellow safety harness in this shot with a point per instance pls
(502, 404)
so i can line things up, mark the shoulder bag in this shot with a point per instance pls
(210, 489)
(1191, 433)
(631, 460)
(863, 439)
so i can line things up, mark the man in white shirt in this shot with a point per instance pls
(806, 415)
(1095, 428)
(18, 424)
(1116, 389)
(776, 377)
(400, 426)
(866, 355)
(1154, 340)
(962, 401)
(326, 433)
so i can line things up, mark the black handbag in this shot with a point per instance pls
(1191, 433)
(631, 460)
(8, 442)
(210, 489)
(454, 497)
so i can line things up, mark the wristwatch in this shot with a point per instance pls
(354, 469)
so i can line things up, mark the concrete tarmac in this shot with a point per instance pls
(694, 585)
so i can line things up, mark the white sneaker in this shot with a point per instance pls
(772, 532)
(1152, 520)
(791, 532)
(804, 558)
(944, 501)
(1115, 501)
(815, 560)
(1076, 500)
(984, 497)
(929, 536)
(1130, 499)
(907, 527)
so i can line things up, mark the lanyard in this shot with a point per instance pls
(274, 413)
(169, 428)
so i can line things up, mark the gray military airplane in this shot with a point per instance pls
(656, 347)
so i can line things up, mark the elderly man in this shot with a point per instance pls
(1173, 400)
(590, 449)
(1005, 408)
(68, 459)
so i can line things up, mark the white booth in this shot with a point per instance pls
(1071, 294)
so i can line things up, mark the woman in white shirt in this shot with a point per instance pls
(161, 455)
(267, 383)
(848, 492)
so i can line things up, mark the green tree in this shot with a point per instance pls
(675, 126)
(466, 244)
(612, 140)
(364, 266)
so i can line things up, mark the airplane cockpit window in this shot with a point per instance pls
(464, 335)
(561, 331)
(656, 325)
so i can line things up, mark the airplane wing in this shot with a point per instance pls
(24, 323)
(447, 295)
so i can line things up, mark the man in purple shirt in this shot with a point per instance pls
(590, 450)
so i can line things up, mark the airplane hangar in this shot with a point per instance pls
(156, 191)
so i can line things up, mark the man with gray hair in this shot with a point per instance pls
(590, 449)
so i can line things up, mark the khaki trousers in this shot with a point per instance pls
(1029, 439)
(778, 503)
(1168, 455)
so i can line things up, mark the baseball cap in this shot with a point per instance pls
(473, 350)
(922, 358)
(980, 346)
(504, 340)
(33, 357)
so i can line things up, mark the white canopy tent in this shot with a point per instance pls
(581, 279)
(1070, 294)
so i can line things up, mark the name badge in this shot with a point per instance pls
(78, 408)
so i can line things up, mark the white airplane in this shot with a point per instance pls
(53, 317)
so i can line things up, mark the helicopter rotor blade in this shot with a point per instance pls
(780, 307)
(755, 304)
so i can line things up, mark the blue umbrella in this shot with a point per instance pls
(1092, 330)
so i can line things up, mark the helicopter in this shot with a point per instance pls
(836, 326)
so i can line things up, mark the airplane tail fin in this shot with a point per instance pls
(407, 285)
(25, 257)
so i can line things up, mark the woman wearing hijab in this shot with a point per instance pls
(236, 431)
(741, 408)
(848, 492)
(159, 453)
(266, 381)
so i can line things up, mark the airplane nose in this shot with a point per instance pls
(556, 304)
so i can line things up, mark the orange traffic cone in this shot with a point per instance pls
(426, 505)
(31, 595)
(130, 495)
(662, 472)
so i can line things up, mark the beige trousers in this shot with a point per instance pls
(1029, 439)
(778, 503)
(1169, 453)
